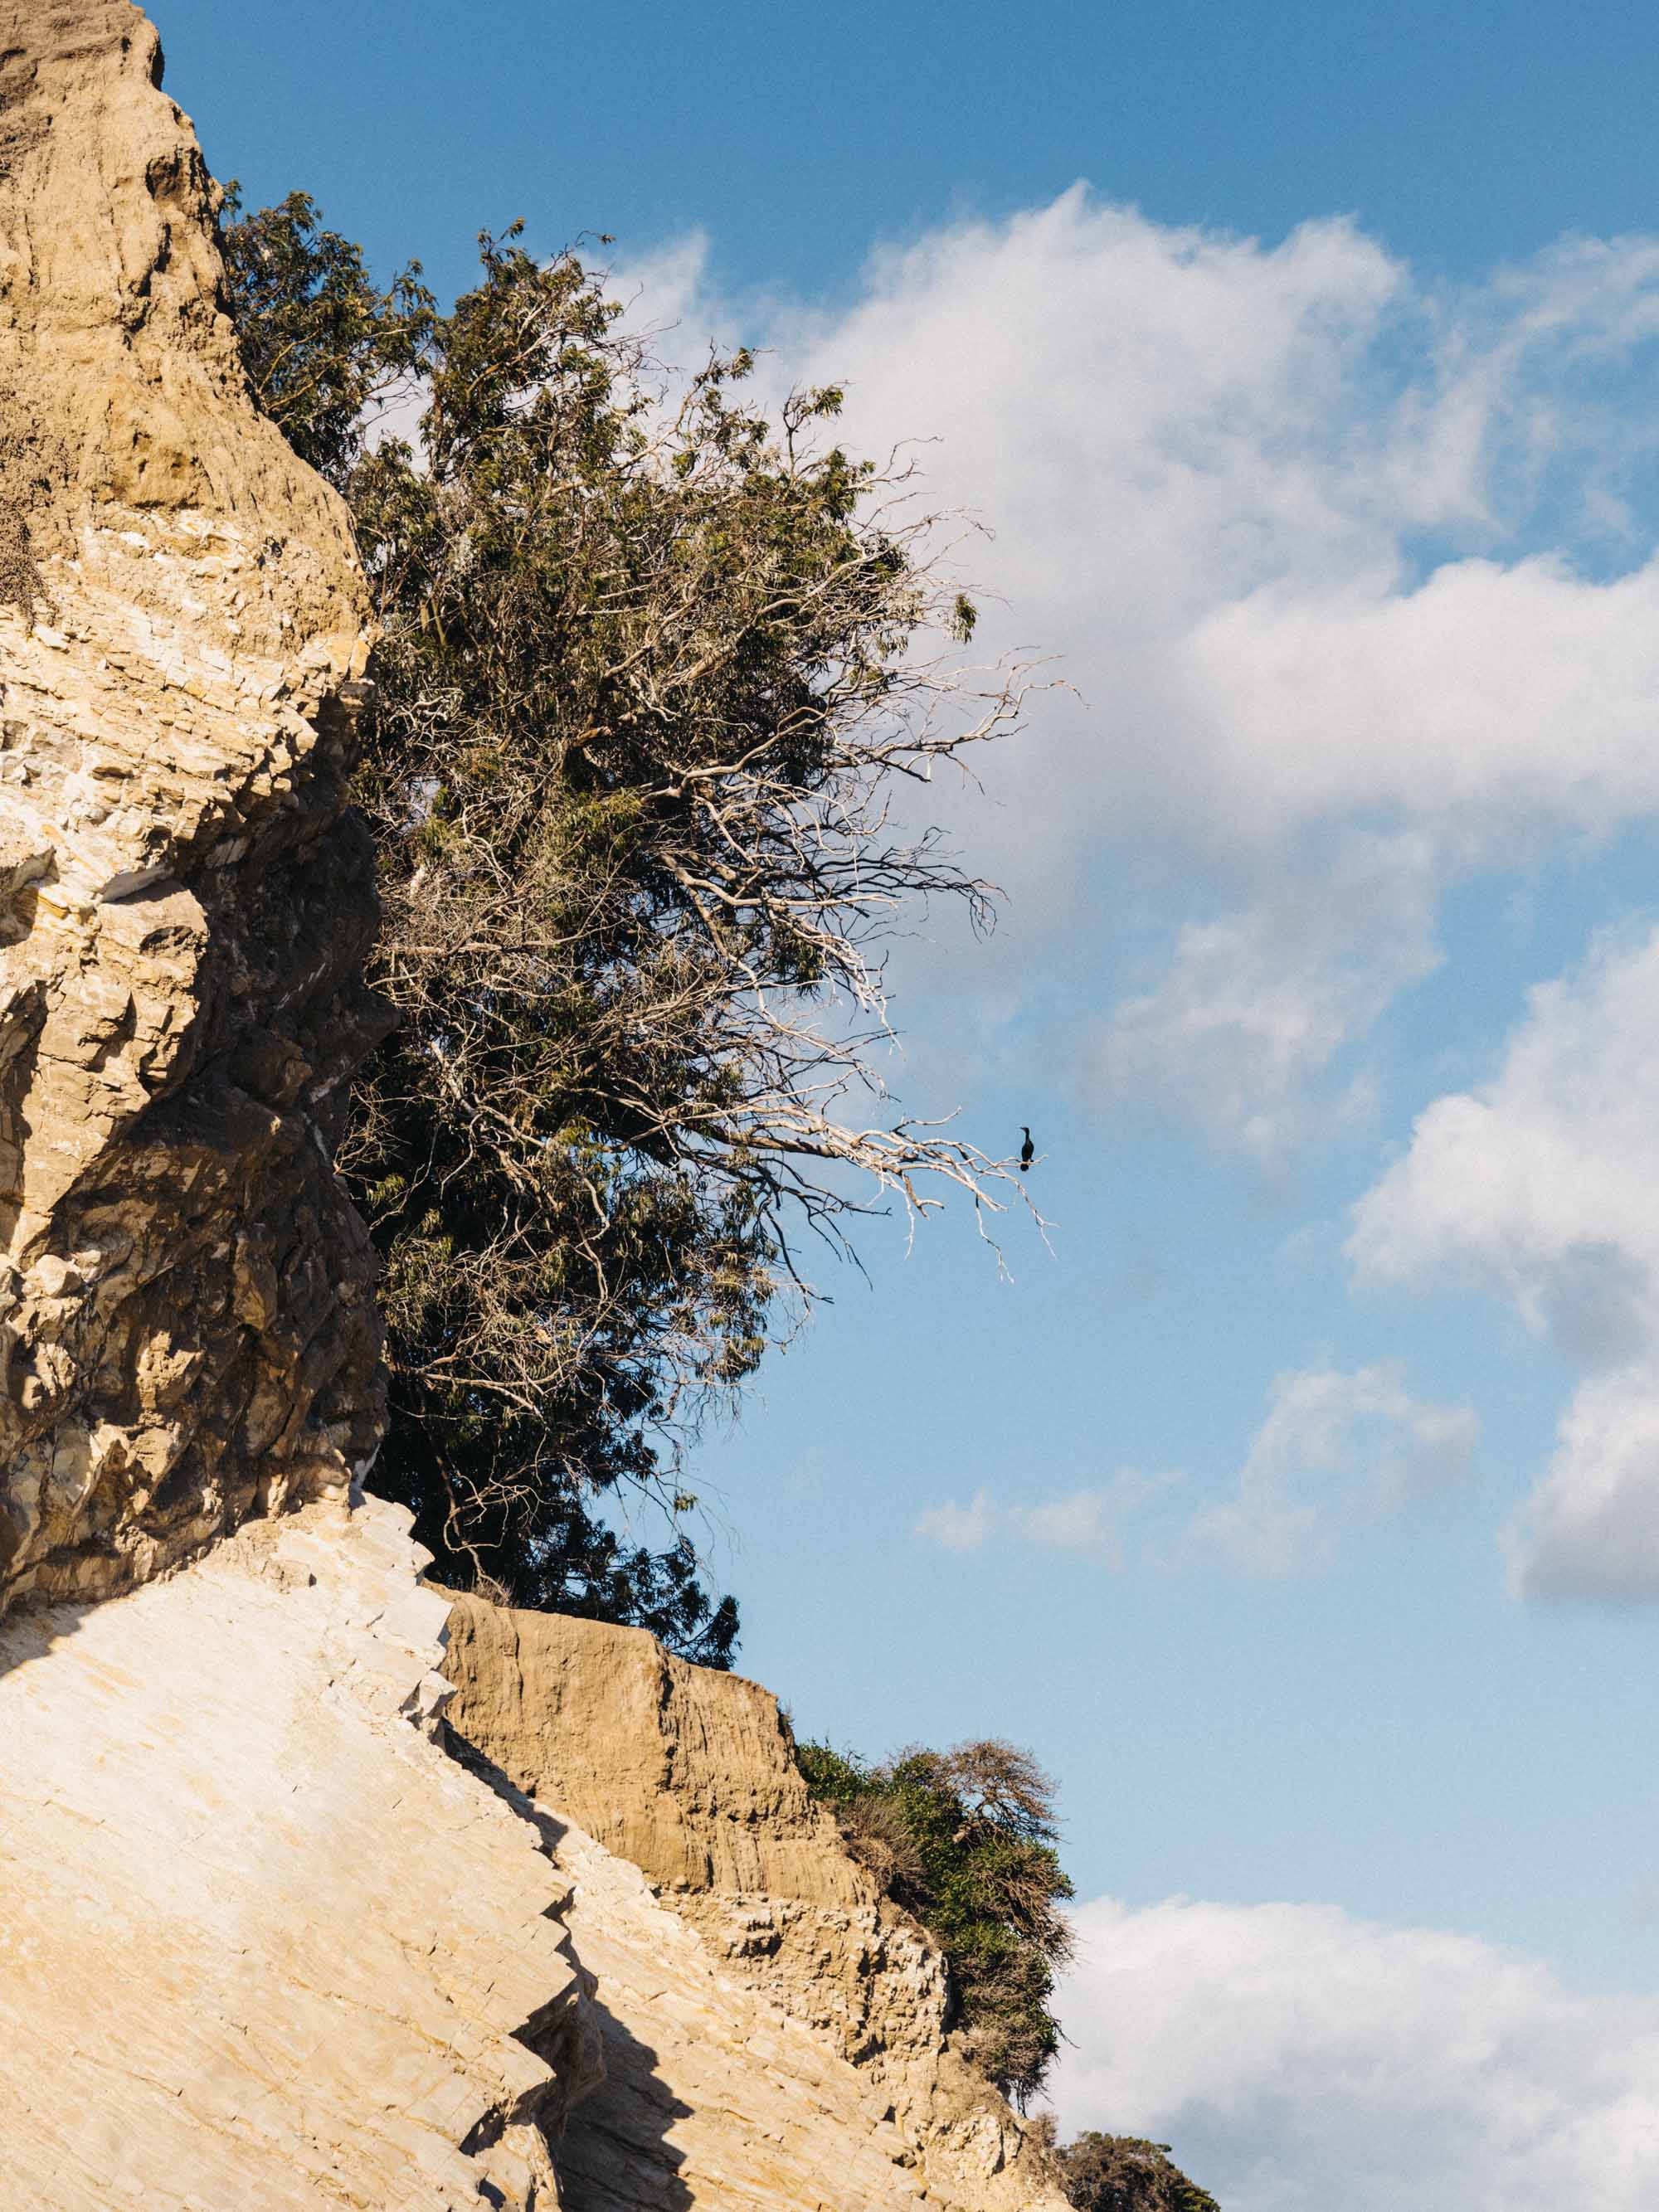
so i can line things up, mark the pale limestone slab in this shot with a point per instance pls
(264, 1945)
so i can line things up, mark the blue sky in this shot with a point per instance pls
(1302, 1508)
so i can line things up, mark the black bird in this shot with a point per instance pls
(1027, 1150)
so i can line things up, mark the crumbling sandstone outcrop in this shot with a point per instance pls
(710, 2098)
(689, 1774)
(683, 1770)
(267, 1946)
(186, 1335)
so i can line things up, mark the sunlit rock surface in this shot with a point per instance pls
(264, 1947)
(185, 1327)
(688, 1775)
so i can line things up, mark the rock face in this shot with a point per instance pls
(689, 1776)
(266, 1941)
(266, 1944)
(185, 1328)
(265, 1947)
(711, 2097)
(683, 1770)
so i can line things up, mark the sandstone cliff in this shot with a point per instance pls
(274, 1936)
(689, 1775)
(264, 1947)
(183, 909)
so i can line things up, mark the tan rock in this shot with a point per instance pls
(689, 1775)
(183, 1330)
(685, 1771)
(710, 2097)
(265, 1946)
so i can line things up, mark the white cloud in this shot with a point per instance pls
(958, 1527)
(1254, 1006)
(1335, 1446)
(1087, 1520)
(1544, 1183)
(1080, 1522)
(1301, 2060)
(666, 299)
(1486, 699)
(1542, 1178)
(1208, 462)
(1591, 1527)
(1320, 543)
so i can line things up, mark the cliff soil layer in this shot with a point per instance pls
(185, 1333)
(689, 1776)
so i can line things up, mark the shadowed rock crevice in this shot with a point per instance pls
(191, 1336)
(618, 2153)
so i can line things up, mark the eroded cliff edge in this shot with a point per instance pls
(688, 1775)
(264, 1943)
(187, 1333)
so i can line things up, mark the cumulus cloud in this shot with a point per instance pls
(1210, 465)
(1088, 1520)
(1591, 1527)
(1335, 1446)
(1319, 543)
(1487, 698)
(1543, 1184)
(1534, 1180)
(1303, 2060)
(1255, 1006)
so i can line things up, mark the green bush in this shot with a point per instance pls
(1125, 2173)
(964, 1840)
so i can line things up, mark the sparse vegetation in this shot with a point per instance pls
(965, 1841)
(1123, 2173)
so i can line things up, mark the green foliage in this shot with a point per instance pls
(320, 342)
(964, 1840)
(1124, 2173)
(647, 669)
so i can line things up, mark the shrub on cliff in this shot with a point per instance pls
(964, 1840)
(1122, 2174)
(652, 664)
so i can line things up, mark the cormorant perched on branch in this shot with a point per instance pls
(1027, 1150)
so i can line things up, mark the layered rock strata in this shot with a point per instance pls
(688, 1775)
(186, 1337)
(711, 2098)
(265, 1948)
(265, 1943)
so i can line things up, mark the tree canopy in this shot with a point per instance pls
(653, 662)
